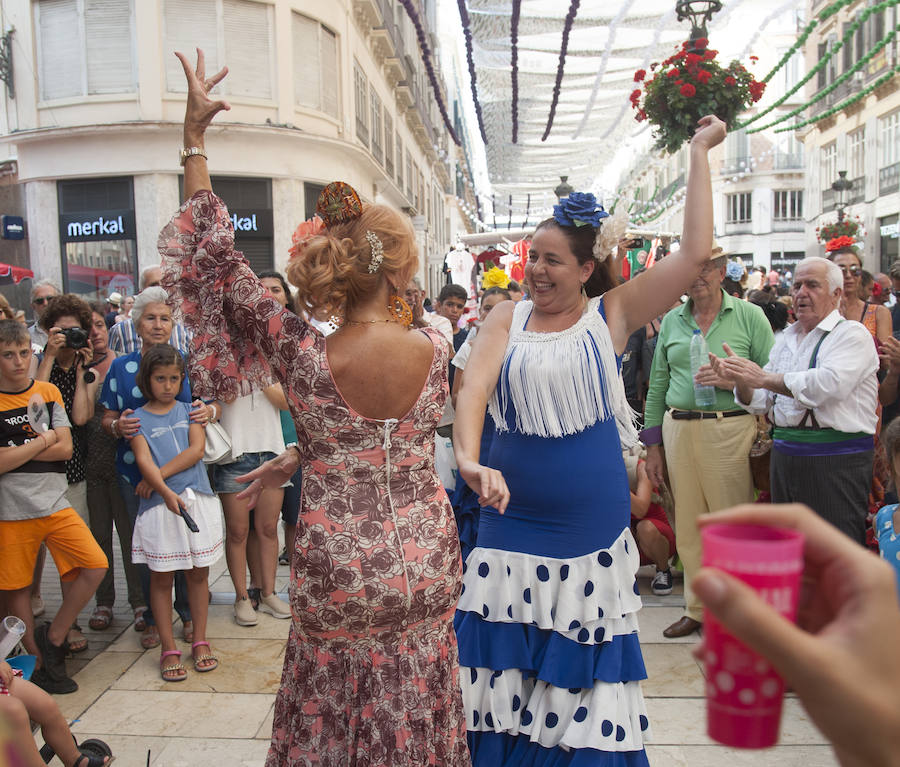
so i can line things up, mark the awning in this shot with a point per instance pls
(14, 274)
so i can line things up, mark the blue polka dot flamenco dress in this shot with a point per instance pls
(547, 621)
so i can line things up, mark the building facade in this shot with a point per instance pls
(318, 92)
(860, 136)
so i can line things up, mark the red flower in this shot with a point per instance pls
(693, 59)
(635, 96)
(730, 80)
(710, 54)
(640, 116)
(640, 75)
(688, 90)
(838, 242)
(700, 43)
(703, 76)
(756, 89)
(673, 73)
(754, 58)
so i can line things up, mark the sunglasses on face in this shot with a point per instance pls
(854, 270)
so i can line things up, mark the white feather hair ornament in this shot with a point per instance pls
(609, 234)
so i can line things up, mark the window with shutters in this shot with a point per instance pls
(738, 210)
(85, 48)
(856, 148)
(828, 165)
(388, 144)
(410, 182)
(788, 204)
(889, 139)
(316, 84)
(399, 146)
(377, 140)
(227, 31)
(361, 99)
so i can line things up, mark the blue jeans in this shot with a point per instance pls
(132, 503)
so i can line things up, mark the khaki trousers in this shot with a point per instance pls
(709, 470)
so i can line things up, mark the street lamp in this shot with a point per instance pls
(700, 13)
(840, 188)
(564, 188)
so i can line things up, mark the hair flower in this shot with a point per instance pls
(579, 209)
(494, 277)
(734, 271)
(304, 232)
(838, 243)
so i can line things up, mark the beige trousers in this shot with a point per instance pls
(709, 470)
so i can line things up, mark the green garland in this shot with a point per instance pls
(844, 104)
(826, 14)
(643, 219)
(819, 66)
(836, 84)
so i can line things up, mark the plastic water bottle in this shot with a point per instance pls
(704, 395)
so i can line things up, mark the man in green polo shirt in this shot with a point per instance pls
(705, 448)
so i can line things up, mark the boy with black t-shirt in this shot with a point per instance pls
(35, 443)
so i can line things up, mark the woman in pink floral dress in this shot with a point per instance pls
(371, 673)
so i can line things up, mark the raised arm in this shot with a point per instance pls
(198, 114)
(650, 294)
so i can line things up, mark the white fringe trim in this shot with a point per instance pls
(562, 383)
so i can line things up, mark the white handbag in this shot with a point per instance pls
(218, 444)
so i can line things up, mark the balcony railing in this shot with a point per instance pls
(788, 161)
(889, 179)
(857, 191)
(736, 164)
(827, 200)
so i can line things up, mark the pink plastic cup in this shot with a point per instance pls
(743, 692)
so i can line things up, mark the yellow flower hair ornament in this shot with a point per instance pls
(494, 277)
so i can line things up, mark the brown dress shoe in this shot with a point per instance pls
(682, 627)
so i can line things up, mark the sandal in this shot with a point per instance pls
(101, 618)
(140, 624)
(93, 760)
(150, 638)
(207, 658)
(78, 642)
(187, 631)
(172, 672)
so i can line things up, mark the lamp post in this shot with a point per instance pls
(841, 187)
(564, 188)
(700, 13)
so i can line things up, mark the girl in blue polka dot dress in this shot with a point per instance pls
(887, 520)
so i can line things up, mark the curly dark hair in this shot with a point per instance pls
(67, 305)
(156, 356)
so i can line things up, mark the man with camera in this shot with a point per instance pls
(67, 355)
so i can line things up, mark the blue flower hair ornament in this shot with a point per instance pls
(734, 270)
(579, 209)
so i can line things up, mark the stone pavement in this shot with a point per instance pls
(225, 717)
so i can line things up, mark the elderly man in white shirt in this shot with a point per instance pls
(820, 389)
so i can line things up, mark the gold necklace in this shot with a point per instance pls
(367, 322)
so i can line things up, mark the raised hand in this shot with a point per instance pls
(710, 131)
(200, 109)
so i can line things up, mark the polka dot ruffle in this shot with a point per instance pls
(587, 599)
(607, 717)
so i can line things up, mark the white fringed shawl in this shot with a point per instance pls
(564, 382)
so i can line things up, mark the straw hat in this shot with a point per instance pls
(115, 298)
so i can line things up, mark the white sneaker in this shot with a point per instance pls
(275, 606)
(244, 614)
(662, 583)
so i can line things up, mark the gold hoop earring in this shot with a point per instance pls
(399, 310)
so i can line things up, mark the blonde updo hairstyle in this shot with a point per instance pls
(331, 273)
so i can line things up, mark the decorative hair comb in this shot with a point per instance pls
(338, 202)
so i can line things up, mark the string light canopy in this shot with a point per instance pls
(554, 79)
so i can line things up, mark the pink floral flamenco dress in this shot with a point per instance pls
(370, 673)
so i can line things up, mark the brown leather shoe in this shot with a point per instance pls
(682, 627)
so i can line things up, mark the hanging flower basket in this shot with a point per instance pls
(849, 227)
(688, 85)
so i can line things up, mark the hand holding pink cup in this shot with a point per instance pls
(744, 693)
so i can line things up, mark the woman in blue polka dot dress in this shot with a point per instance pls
(121, 396)
(547, 621)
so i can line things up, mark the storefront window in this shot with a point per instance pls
(97, 234)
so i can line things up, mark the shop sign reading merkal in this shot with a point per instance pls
(95, 226)
(252, 223)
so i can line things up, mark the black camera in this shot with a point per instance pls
(76, 338)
